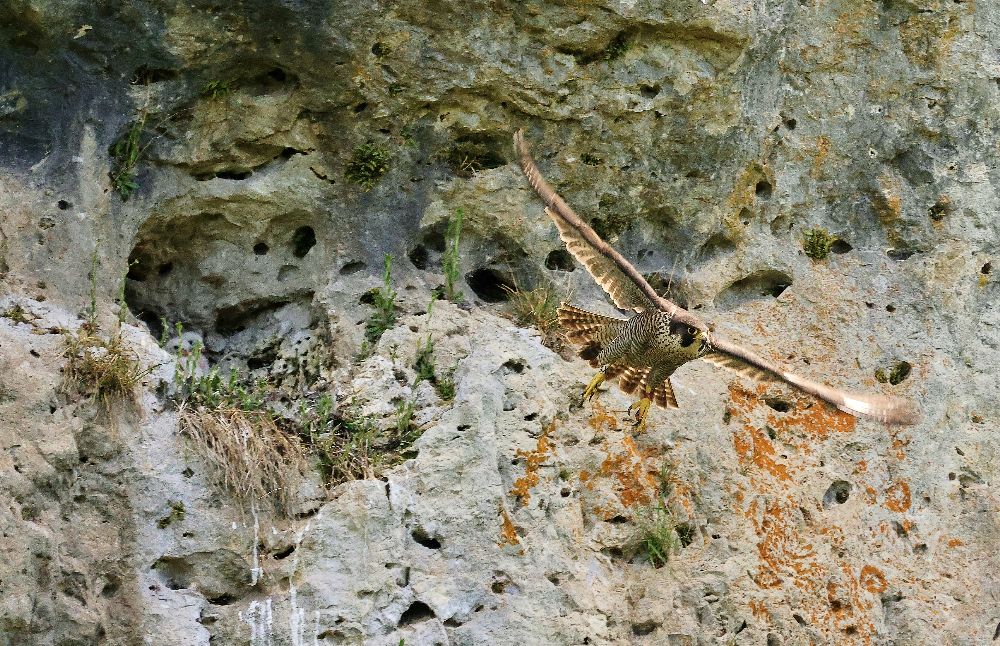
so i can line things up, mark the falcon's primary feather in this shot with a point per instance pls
(643, 351)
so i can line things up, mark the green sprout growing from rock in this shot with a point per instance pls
(817, 243)
(368, 164)
(125, 155)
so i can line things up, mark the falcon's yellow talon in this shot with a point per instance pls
(592, 387)
(641, 411)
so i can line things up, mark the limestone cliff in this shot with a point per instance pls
(816, 177)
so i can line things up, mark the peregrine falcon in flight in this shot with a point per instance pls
(644, 350)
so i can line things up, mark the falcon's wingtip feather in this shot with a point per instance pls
(888, 410)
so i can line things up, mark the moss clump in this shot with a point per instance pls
(368, 164)
(895, 375)
(176, 514)
(817, 243)
(217, 89)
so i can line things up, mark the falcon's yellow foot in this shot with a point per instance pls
(592, 387)
(641, 411)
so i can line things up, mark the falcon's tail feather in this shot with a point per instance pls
(632, 379)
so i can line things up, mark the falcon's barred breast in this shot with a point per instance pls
(644, 350)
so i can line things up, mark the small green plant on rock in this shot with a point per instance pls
(895, 375)
(658, 536)
(368, 164)
(217, 89)
(176, 514)
(16, 313)
(125, 155)
(383, 300)
(817, 243)
(451, 263)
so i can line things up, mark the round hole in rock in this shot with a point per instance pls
(165, 268)
(899, 254)
(417, 612)
(840, 246)
(900, 372)
(488, 284)
(278, 74)
(303, 240)
(260, 249)
(790, 124)
(559, 259)
(418, 256)
(763, 189)
(986, 269)
(359, 108)
(778, 404)
(379, 49)
(63, 205)
(352, 267)
(837, 493)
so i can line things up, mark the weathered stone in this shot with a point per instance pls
(704, 140)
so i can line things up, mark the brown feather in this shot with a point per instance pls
(663, 395)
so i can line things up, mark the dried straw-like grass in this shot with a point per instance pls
(258, 462)
(106, 369)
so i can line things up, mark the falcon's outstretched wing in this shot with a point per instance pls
(630, 290)
(889, 410)
(623, 283)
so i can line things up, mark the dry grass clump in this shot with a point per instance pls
(257, 460)
(106, 369)
(538, 308)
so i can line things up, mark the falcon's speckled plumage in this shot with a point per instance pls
(643, 351)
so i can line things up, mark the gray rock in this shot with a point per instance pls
(703, 139)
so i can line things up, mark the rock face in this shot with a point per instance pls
(243, 169)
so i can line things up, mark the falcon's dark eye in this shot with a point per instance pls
(688, 336)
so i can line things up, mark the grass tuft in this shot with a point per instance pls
(658, 537)
(538, 308)
(16, 313)
(257, 460)
(451, 262)
(106, 369)
(384, 302)
(125, 155)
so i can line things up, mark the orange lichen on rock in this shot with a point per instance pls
(897, 448)
(822, 151)
(897, 497)
(792, 543)
(756, 448)
(508, 534)
(602, 418)
(955, 542)
(635, 472)
(532, 461)
(872, 580)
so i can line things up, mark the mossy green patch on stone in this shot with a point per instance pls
(368, 164)
(817, 243)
